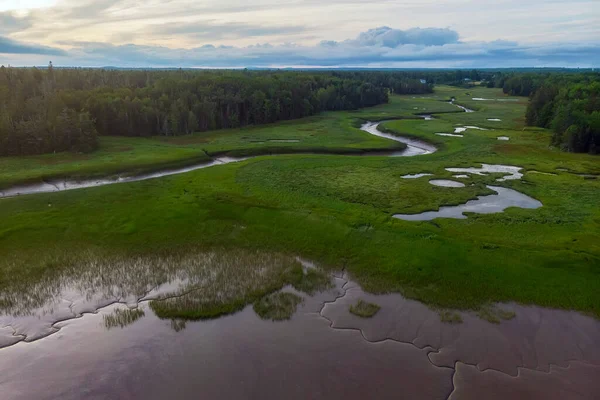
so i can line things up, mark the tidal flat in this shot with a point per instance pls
(284, 333)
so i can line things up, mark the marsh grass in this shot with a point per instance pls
(495, 314)
(122, 318)
(278, 306)
(364, 310)
(178, 325)
(224, 283)
(311, 205)
(201, 284)
(450, 317)
(313, 281)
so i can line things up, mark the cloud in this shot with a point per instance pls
(9, 46)
(388, 37)
(212, 30)
(380, 47)
(131, 21)
(9, 23)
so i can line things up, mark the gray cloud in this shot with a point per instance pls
(388, 37)
(9, 46)
(10, 23)
(381, 47)
(212, 30)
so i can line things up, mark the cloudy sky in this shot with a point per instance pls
(279, 33)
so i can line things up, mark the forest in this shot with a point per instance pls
(52, 110)
(568, 104)
(45, 110)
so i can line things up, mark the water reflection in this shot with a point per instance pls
(510, 172)
(491, 204)
(446, 183)
(195, 285)
(403, 348)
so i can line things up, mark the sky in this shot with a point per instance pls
(301, 33)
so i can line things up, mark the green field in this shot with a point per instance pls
(333, 209)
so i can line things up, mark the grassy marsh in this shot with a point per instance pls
(450, 317)
(495, 314)
(316, 206)
(313, 281)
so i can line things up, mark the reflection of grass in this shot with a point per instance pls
(178, 324)
(122, 318)
(450, 317)
(364, 309)
(206, 284)
(223, 283)
(277, 306)
(313, 281)
(494, 314)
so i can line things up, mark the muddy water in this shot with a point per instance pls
(492, 204)
(414, 147)
(62, 185)
(536, 338)
(577, 381)
(510, 172)
(234, 357)
(415, 176)
(446, 183)
(449, 135)
(465, 109)
(323, 352)
(459, 130)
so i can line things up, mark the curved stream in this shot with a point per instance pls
(414, 148)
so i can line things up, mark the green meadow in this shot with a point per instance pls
(330, 206)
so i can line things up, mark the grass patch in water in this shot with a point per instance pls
(313, 281)
(196, 284)
(495, 314)
(364, 310)
(278, 306)
(225, 283)
(122, 318)
(450, 317)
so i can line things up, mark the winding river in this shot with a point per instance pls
(414, 148)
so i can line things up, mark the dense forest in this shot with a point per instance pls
(45, 110)
(568, 104)
(52, 110)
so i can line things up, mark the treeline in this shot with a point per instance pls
(51, 110)
(568, 104)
